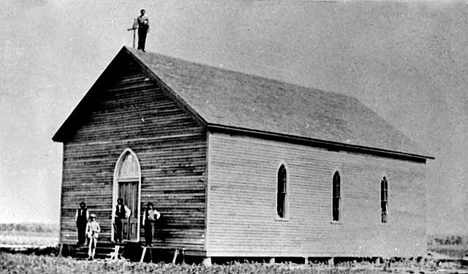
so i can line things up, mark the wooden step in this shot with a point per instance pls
(103, 251)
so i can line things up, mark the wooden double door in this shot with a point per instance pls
(128, 191)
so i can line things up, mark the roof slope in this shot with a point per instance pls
(238, 100)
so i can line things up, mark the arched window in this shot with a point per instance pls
(336, 197)
(129, 168)
(384, 199)
(282, 192)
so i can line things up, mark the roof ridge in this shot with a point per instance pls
(141, 55)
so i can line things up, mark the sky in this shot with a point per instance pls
(406, 60)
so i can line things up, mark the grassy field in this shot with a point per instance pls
(455, 246)
(31, 235)
(20, 263)
(28, 239)
(32, 259)
(456, 252)
(29, 227)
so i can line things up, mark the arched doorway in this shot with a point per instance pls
(127, 185)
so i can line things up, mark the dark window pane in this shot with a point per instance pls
(383, 205)
(384, 199)
(282, 192)
(336, 204)
(384, 190)
(384, 217)
(336, 185)
(282, 180)
(280, 205)
(336, 209)
(336, 197)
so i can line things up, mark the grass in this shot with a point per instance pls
(37, 260)
(29, 235)
(44, 260)
(454, 251)
(29, 227)
(28, 239)
(455, 246)
(20, 263)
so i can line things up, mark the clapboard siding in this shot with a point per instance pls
(242, 201)
(134, 112)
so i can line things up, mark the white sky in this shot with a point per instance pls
(406, 60)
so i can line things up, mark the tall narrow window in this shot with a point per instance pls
(384, 198)
(281, 195)
(336, 200)
(127, 185)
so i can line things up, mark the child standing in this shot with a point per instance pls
(92, 229)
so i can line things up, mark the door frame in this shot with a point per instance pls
(115, 191)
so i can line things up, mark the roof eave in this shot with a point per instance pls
(321, 143)
(62, 132)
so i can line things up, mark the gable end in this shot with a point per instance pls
(114, 71)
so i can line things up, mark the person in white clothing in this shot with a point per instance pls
(149, 218)
(92, 230)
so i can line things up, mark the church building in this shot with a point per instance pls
(240, 165)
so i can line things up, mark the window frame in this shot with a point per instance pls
(285, 216)
(384, 199)
(339, 208)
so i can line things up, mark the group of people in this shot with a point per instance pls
(88, 226)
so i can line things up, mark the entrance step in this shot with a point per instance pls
(103, 251)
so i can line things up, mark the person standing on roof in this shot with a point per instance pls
(143, 28)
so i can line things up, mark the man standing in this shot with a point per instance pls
(148, 222)
(81, 219)
(122, 212)
(92, 229)
(143, 28)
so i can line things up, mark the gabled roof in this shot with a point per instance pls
(232, 100)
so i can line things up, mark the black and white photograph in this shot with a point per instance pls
(234, 136)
